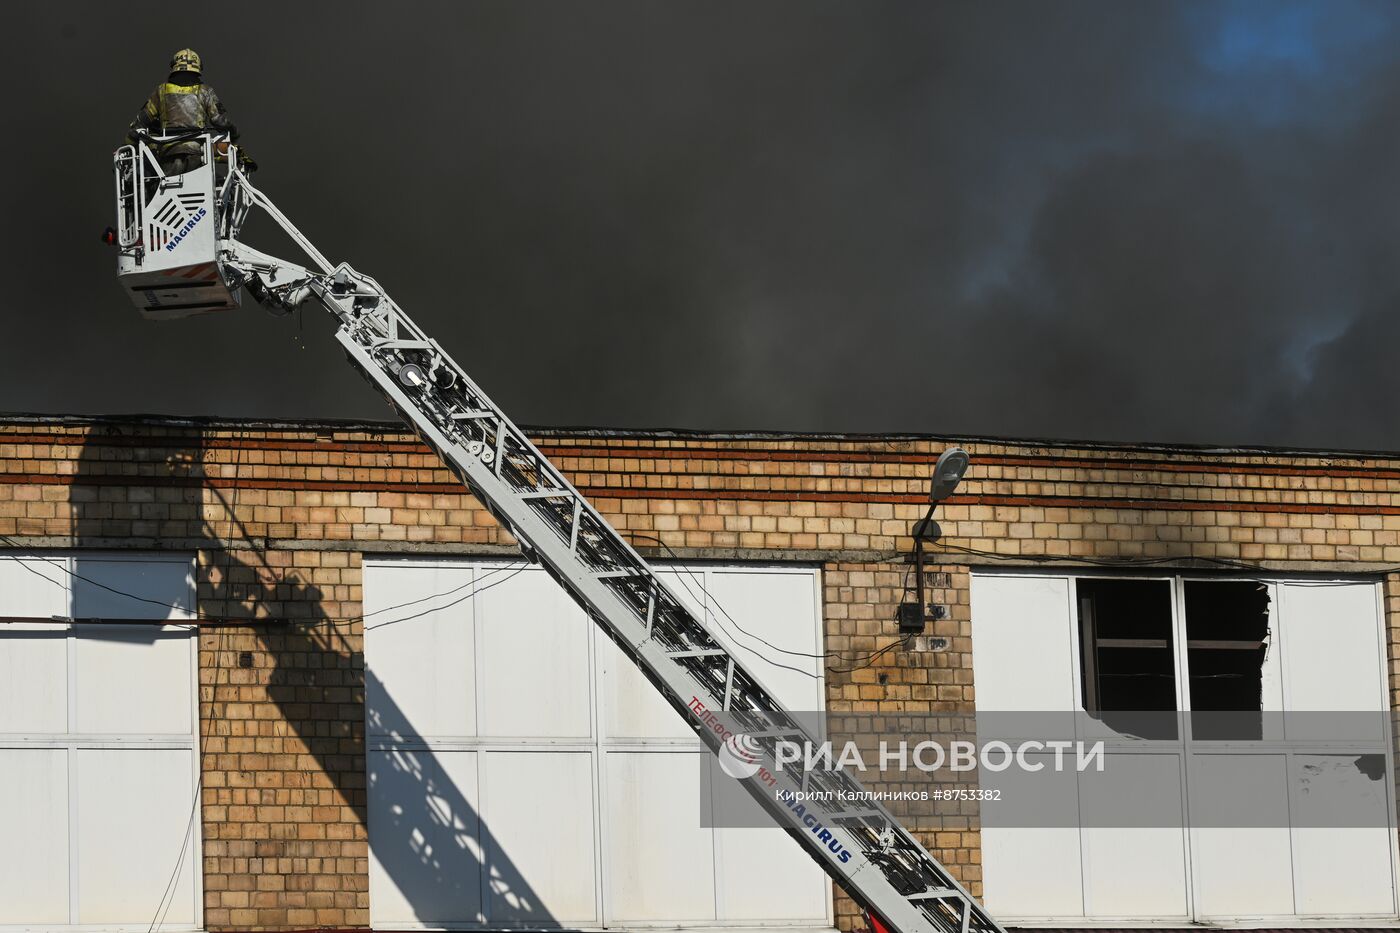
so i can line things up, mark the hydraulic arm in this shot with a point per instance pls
(856, 840)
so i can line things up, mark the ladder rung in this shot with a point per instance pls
(469, 415)
(552, 494)
(403, 345)
(697, 653)
(610, 574)
(775, 733)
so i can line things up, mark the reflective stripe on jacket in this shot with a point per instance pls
(182, 106)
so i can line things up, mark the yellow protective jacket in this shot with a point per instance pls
(178, 107)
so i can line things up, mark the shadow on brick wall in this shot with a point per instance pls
(286, 792)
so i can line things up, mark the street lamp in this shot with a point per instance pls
(947, 474)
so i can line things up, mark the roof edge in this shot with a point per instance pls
(394, 426)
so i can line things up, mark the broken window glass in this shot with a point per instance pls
(1227, 640)
(1128, 671)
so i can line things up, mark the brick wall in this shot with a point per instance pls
(859, 602)
(280, 515)
(282, 721)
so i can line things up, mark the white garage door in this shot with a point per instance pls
(97, 744)
(522, 772)
(1043, 643)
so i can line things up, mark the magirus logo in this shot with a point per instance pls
(184, 231)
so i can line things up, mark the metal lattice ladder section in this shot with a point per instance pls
(861, 846)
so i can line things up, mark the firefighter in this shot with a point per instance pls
(183, 102)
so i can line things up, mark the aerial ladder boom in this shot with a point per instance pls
(853, 837)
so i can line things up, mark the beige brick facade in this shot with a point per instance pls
(280, 515)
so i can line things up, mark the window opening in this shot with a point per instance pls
(1126, 659)
(1227, 640)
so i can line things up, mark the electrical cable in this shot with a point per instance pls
(708, 600)
(1240, 566)
(855, 663)
(1096, 561)
(870, 659)
(335, 622)
(424, 599)
(168, 897)
(97, 583)
(25, 564)
(738, 644)
(1123, 562)
(476, 591)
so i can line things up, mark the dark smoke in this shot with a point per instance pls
(1136, 221)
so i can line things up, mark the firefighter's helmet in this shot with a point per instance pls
(185, 60)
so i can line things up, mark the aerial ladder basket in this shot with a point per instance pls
(181, 255)
(165, 228)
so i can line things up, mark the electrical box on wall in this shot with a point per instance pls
(911, 619)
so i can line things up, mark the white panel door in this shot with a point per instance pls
(120, 587)
(1346, 870)
(33, 677)
(134, 811)
(33, 667)
(1241, 870)
(1036, 872)
(754, 863)
(34, 808)
(35, 586)
(1023, 644)
(1332, 651)
(529, 883)
(1023, 660)
(536, 642)
(420, 632)
(1135, 871)
(752, 612)
(569, 794)
(1333, 660)
(132, 679)
(425, 837)
(660, 860)
(98, 743)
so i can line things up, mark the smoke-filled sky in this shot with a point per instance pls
(1107, 220)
